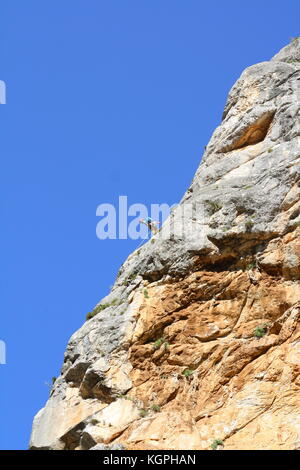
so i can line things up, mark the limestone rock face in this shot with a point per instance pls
(200, 338)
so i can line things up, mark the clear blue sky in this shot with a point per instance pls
(104, 98)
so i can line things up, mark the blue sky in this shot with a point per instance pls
(104, 98)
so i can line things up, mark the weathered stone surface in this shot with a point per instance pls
(109, 423)
(108, 447)
(201, 330)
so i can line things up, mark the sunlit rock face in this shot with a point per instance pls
(199, 343)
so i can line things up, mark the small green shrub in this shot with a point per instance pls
(96, 310)
(143, 413)
(187, 372)
(146, 295)
(260, 331)
(250, 266)
(53, 380)
(155, 408)
(158, 343)
(270, 150)
(216, 443)
(213, 206)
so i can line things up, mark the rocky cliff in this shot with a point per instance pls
(198, 343)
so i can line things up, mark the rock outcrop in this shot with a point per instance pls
(198, 342)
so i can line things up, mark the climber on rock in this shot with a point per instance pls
(151, 224)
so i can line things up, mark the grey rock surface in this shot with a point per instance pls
(108, 447)
(241, 197)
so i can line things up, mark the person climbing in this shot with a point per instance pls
(151, 224)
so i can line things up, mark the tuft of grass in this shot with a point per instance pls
(260, 331)
(250, 266)
(96, 310)
(128, 279)
(216, 443)
(270, 150)
(249, 224)
(132, 276)
(143, 413)
(155, 408)
(53, 380)
(146, 295)
(187, 372)
(158, 343)
(101, 307)
(115, 302)
(213, 206)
